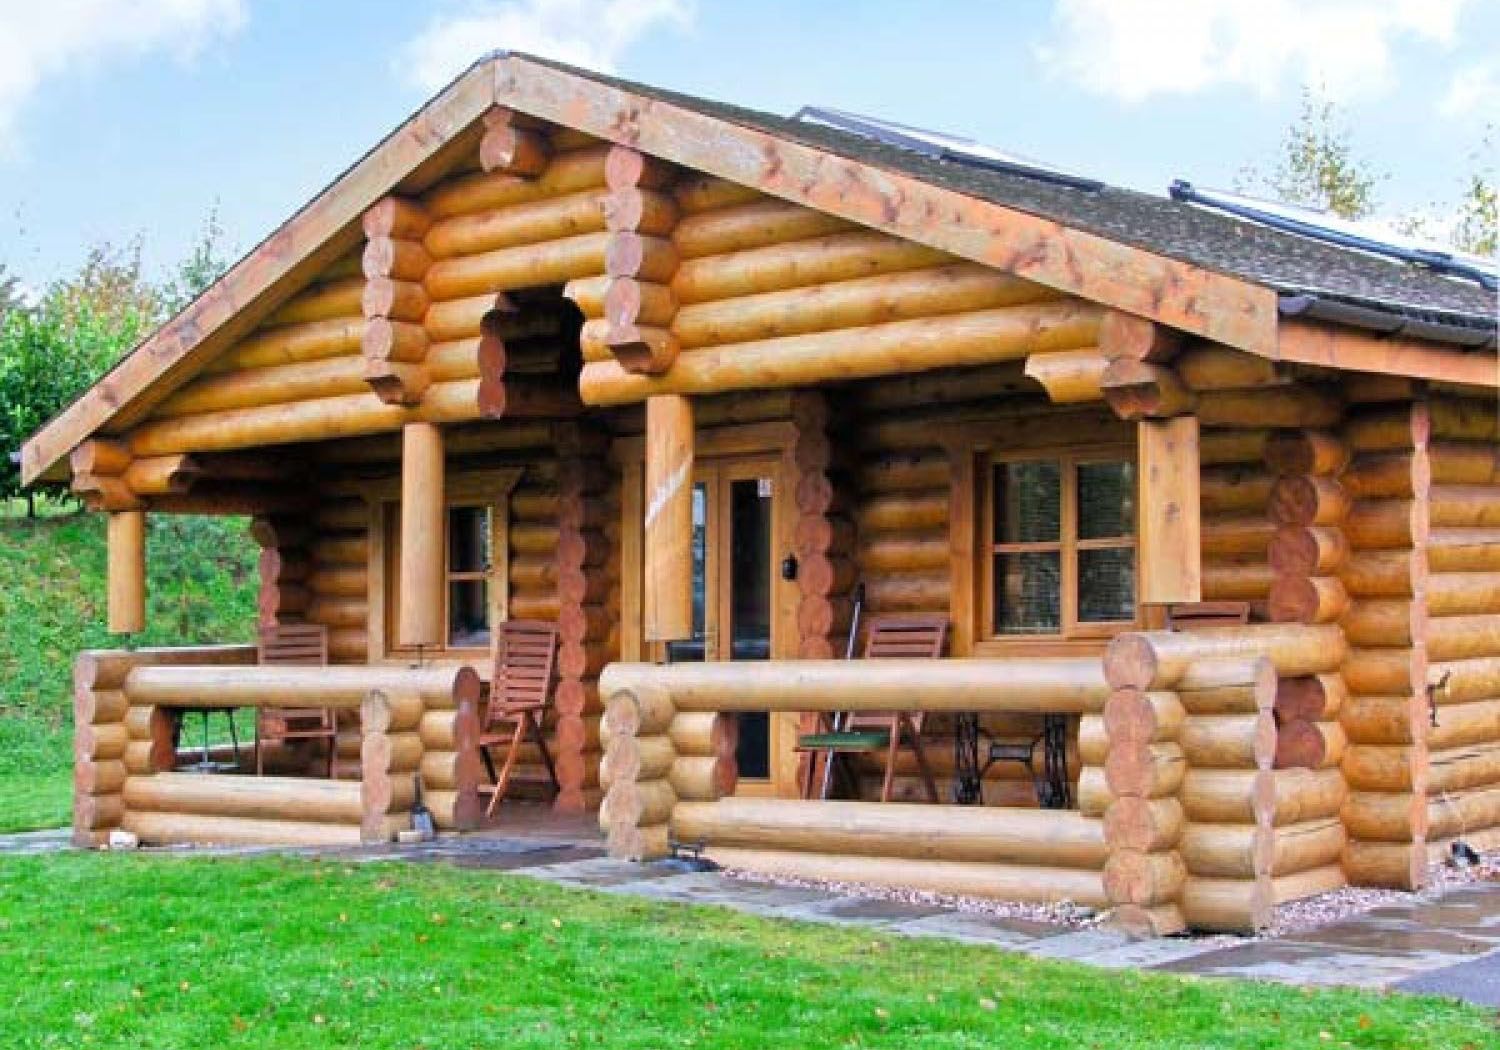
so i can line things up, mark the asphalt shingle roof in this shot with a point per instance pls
(1286, 262)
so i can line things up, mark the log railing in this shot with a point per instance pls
(1183, 822)
(411, 722)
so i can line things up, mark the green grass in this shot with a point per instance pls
(52, 586)
(140, 952)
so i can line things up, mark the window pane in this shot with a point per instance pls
(695, 648)
(1106, 500)
(1028, 593)
(468, 539)
(1028, 502)
(1106, 585)
(468, 614)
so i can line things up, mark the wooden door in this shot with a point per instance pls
(742, 607)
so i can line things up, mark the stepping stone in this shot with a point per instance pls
(1476, 981)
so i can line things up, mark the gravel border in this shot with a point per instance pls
(1299, 916)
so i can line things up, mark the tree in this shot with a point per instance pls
(1478, 227)
(10, 292)
(1316, 166)
(51, 352)
(204, 265)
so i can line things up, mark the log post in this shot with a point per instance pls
(126, 555)
(639, 755)
(668, 555)
(423, 529)
(1387, 527)
(390, 756)
(1170, 549)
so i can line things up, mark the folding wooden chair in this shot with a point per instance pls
(521, 689)
(294, 645)
(914, 636)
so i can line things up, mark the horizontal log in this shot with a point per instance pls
(1069, 376)
(1210, 366)
(324, 301)
(1145, 825)
(300, 342)
(1229, 741)
(815, 261)
(1061, 685)
(1309, 883)
(993, 881)
(754, 223)
(975, 338)
(1392, 865)
(161, 829)
(259, 798)
(954, 289)
(948, 833)
(266, 686)
(1313, 844)
(1227, 905)
(1464, 549)
(1291, 407)
(1306, 794)
(1385, 816)
(1145, 879)
(1236, 534)
(1159, 659)
(1227, 851)
(527, 222)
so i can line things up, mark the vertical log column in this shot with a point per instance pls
(638, 758)
(126, 542)
(420, 617)
(1385, 714)
(100, 740)
(1144, 874)
(390, 755)
(587, 634)
(1228, 839)
(668, 555)
(1308, 507)
(394, 301)
(638, 310)
(824, 536)
(285, 567)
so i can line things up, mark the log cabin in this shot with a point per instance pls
(701, 385)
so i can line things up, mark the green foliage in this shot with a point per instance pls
(202, 586)
(10, 291)
(204, 265)
(1316, 165)
(116, 950)
(1478, 227)
(52, 352)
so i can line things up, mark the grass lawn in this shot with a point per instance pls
(133, 951)
(52, 585)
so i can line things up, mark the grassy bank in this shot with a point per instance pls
(132, 951)
(202, 589)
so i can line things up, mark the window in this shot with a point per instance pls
(1061, 545)
(474, 547)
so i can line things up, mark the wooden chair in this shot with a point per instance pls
(294, 645)
(1193, 616)
(913, 636)
(521, 689)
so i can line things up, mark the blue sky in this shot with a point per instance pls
(121, 118)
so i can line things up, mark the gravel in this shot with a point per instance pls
(1298, 916)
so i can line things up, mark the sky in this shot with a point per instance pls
(123, 119)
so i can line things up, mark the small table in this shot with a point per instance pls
(1053, 790)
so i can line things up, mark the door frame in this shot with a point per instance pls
(766, 446)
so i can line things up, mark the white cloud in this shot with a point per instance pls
(52, 38)
(1474, 90)
(589, 33)
(1135, 49)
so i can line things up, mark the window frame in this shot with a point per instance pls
(490, 489)
(1068, 545)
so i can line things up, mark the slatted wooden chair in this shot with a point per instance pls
(910, 637)
(520, 691)
(1194, 616)
(294, 645)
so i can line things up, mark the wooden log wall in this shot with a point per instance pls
(759, 292)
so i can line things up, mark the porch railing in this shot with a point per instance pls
(1177, 814)
(411, 722)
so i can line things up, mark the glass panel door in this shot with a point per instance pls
(696, 648)
(748, 603)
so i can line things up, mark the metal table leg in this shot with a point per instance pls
(1055, 790)
(968, 787)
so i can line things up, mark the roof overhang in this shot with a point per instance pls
(1179, 295)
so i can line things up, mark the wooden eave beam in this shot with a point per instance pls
(323, 230)
(1174, 293)
(1336, 346)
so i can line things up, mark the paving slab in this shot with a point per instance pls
(1476, 981)
(975, 928)
(1078, 945)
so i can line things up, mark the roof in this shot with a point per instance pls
(1287, 263)
(1184, 268)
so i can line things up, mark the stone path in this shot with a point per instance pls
(1450, 946)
